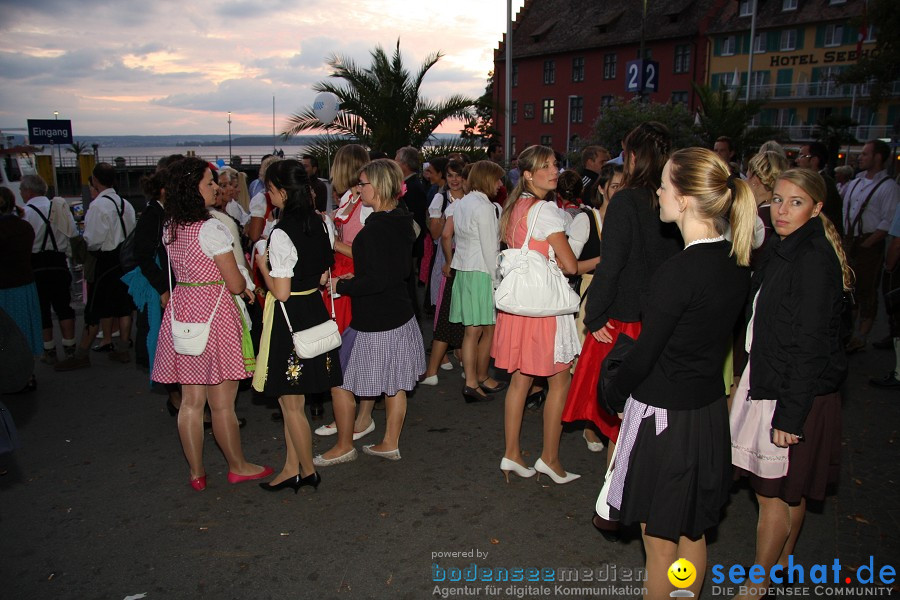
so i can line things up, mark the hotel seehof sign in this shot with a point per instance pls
(824, 58)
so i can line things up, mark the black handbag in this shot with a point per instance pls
(608, 370)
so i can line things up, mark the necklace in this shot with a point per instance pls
(706, 241)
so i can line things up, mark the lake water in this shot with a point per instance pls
(146, 155)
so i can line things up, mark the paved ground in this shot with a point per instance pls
(96, 504)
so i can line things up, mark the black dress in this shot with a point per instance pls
(286, 374)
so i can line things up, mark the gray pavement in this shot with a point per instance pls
(96, 503)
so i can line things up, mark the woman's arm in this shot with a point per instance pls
(234, 281)
(447, 244)
(342, 248)
(565, 258)
(279, 286)
(255, 228)
(588, 265)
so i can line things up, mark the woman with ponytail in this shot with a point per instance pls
(672, 471)
(786, 416)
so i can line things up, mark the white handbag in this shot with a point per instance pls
(189, 338)
(316, 340)
(602, 507)
(531, 284)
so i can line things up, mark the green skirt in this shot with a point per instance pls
(472, 301)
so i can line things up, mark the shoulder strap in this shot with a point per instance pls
(48, 231)
(121, 214)
(540, 205)
(857, 222)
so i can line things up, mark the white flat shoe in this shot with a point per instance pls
(321, 461)
(326, 430)
(593, 446)
(431, 380)
(364, 432)
(541, 467)
(389, 454)
(447, 366)
(507, 466)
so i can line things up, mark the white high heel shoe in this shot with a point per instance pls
(593, 446)
(541, 467)
(507, 465)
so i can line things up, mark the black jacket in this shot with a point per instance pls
(635, 243)
(797, 352)
(148, 247)
(378, 291)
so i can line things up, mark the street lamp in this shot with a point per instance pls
(58, 149)
(569, 128)
(229, 137)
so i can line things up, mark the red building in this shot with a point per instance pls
(569, 59)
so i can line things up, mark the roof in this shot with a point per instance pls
(555, 26)
(769, 15)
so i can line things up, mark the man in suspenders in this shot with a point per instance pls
(108, 221)
(53, 226)
(869, 204)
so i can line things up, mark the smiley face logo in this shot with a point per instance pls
(682, 573)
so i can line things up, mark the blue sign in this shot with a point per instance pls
(641, 76)
(49, 131)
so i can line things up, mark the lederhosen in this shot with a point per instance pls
(108, 296)
(866, 262)
(51, 276)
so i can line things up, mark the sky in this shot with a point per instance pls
(163, 67)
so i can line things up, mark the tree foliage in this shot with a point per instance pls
(723, 112)
(880, 69)
(381, 105)
(621, 116)
(77, 147)
(481, 127)
(834, 130)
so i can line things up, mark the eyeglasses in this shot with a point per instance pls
(360, 184)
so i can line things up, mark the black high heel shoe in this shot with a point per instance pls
(291, 482)
(474, 395)
(608, 529)
(311, 480)
(173, 412)
(536, 400)
(501, 385)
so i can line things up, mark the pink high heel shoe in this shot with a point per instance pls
(199, 483)
(235, 478)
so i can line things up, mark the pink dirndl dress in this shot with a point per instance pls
(520, 343)
(223, 357)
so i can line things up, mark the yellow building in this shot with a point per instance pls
(799, 48)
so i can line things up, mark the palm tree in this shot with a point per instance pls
(380, 105)
(78, 148)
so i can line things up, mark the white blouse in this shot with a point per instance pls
(282, 254)
(214, 238)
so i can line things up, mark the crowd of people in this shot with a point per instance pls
(733, 287)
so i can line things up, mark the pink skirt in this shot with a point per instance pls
(525, 344)
(751, 445)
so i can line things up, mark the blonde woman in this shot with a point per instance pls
(529, 347)
(762, 171)
(672, 471)
(792, 452)
(388, 356)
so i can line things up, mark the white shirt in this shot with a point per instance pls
(282, 254)
(477, 236)
(258, 205)
(214, 238)
(237, 211)
(62, 223)
(102, 227)
(880, 211)
(437, 203)
(579, 230)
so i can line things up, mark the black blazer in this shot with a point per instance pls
(797, 352)
(148, 246)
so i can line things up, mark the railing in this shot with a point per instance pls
(807, 132)
(70, 160)
(813, 90)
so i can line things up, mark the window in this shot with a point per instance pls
(549, 72)
(578, 68)
(833, 2)
(759, 43)
(679, 97)
(834, 35)
(729, 45)
(514, 111)
(871, 33)
(787, 5)
(682, 58)
(788, 39)
(609, 66)
(515, 75)
(529, 110)
(547, 110)
(606, 101)
(512, 143)
(576, 109)
(547, 140)
(746, 8)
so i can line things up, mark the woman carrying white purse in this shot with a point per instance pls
(298, 257)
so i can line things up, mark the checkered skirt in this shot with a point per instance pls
(384, 362)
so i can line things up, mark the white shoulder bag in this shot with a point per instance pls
(316, 340)
(189, 338)
(533, 285)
